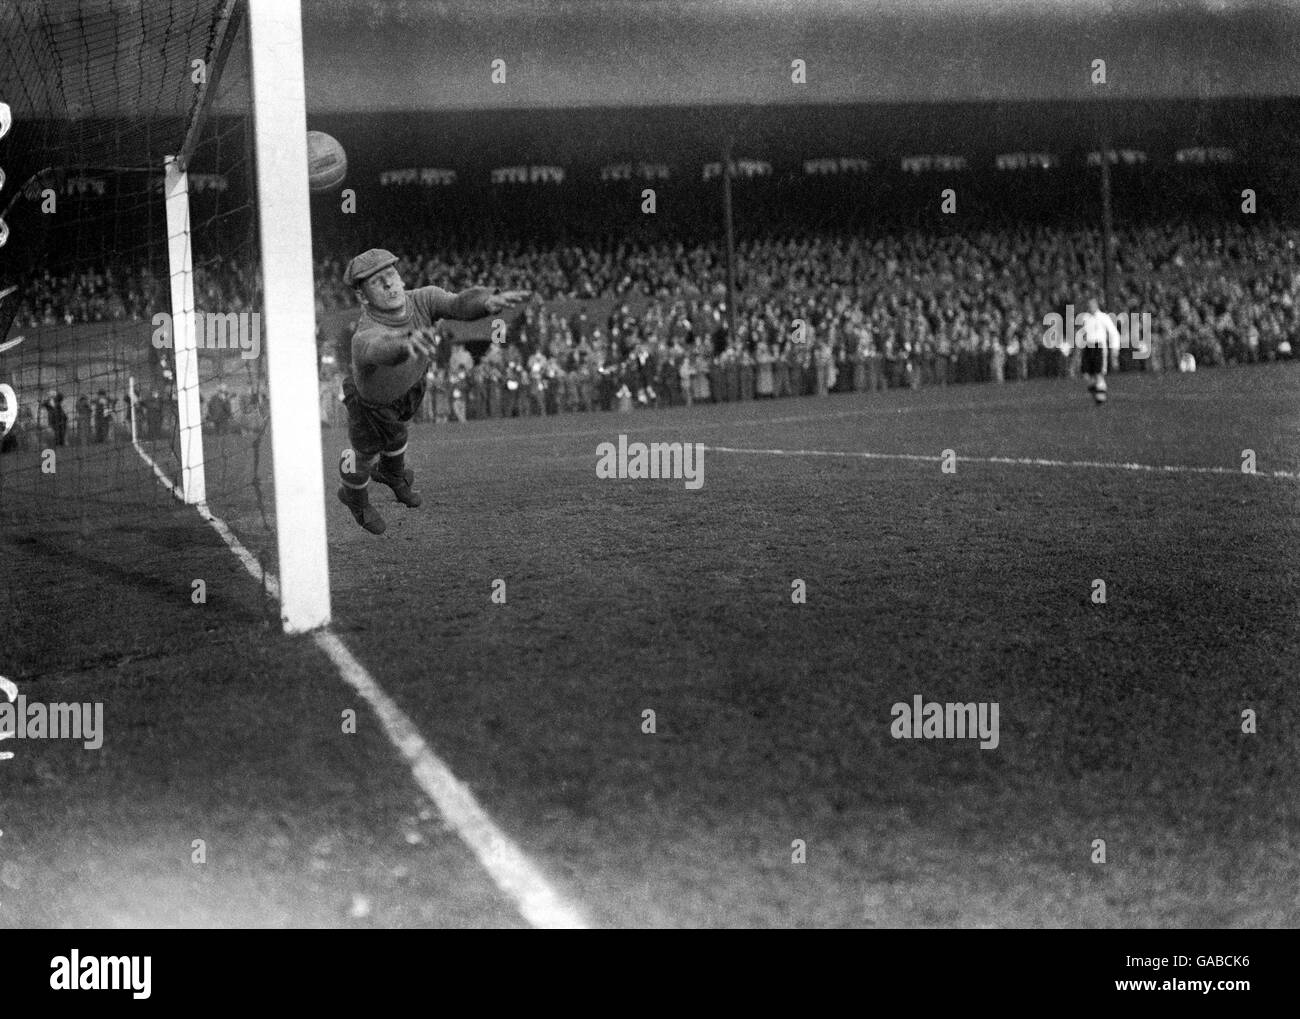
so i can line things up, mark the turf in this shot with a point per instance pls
(1118, 721)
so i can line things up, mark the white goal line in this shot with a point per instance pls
(1013, 461)
(510, 870)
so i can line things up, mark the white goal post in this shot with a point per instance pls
(114, 98)
(180, 265)
(279, 97)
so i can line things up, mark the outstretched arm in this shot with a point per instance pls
(505, 299)
(468, 305)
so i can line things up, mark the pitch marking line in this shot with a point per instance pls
(628, 427)
(740, 422)
(1016, 461)
(510, 870)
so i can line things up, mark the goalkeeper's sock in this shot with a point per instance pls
(392, 464)
(391, 470)
(359, 477)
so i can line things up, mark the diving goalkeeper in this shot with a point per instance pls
(392, 348)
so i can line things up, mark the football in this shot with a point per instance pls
(1099, 390)
(327, 163)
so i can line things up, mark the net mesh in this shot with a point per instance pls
(100, 94)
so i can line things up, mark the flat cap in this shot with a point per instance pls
(367, 264)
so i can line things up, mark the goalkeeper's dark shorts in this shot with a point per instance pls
(375, 428)
(1090, 361)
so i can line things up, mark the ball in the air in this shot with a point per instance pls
(327, 163)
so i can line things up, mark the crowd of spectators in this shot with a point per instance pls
(817, 313)
(1031, 259)
(842, 313)
(121, 293)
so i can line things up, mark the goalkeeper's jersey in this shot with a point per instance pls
(385, 364)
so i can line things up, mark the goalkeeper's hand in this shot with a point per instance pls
(505, 299)
(423, 345)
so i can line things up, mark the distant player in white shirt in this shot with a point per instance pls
(1099, 342)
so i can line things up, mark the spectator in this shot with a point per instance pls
(84, 417)
(764, 382)
(103, 416)
(219, 411)
(701, 377)
(153, 414)
(56, 416)
(824, 367)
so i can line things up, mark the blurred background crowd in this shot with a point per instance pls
(830, 313)
(641, 321)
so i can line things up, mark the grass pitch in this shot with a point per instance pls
(1119, 721)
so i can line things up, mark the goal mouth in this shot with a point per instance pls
(142, 313)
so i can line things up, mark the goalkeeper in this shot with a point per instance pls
(392, 348)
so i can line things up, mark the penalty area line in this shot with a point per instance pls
(1012, 461)
(510, 870)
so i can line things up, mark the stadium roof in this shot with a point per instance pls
(88, 58)
(374, 56)
(601, 80)
(583, 140)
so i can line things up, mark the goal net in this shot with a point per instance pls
(136, 340)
